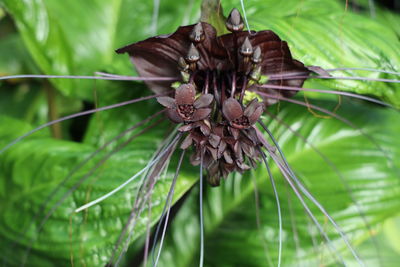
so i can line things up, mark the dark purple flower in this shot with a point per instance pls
(184, 107)
(239, 118)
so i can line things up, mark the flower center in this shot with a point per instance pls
(186, 110)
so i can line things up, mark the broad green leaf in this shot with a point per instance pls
(31, 170)
(369, 189)
(322, 33)
(83, 43)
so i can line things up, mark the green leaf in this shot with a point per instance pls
(32, 170)
(83, 43)
(368, 190)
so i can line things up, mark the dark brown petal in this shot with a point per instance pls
(187, 142)
(185, 94)
(214, 140)
(228, 157)
(242, 166)
(166, 101)
(158, 56)
(214, 175)
(173, 116)
(235, 132)
(251, 107)
(213, 152)
(204, 101)
(201, 114)
(204, 128)
(256, 115)
(221, 148)
(248, 150)
(232, 109)
(186, 127)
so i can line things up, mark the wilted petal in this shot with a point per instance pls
(232, 109)
(185, 94)
(201, 114)
(174, 116)
(204, 101)
(166, 101)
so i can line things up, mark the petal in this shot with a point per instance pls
(251, 107)
(256, 115)
(214, 140)
(232, 109)
(166, 101)
(203, 101)
(173, 116)
(201, 114)
(158, 56)
(184, 94)
(186, 128)
(187, 142)
(228, 157)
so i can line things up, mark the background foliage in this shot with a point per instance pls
(70, 37)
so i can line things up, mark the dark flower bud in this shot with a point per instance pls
(255, 74)
(256, 58)
(193, 55)
(234, 23)
(247, 49)
(197, 34)
(183, 66)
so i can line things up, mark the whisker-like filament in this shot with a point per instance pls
(118, 188)
(340, 118)
(137, 205)
(258, 221)
(167, 209)
(286, 174)
(291, 88)
(278, 205)
(80, 165)
(201, 209)
(245, 16)
(78, 183)
(364, 69)
(107, 77)
(338, 173)
(352, 78)
(308, 195)
(75, 115)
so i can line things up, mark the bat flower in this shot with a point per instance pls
(221, 69)
(239, 118)
(184, 107)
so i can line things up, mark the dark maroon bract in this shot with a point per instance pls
(212, 100)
